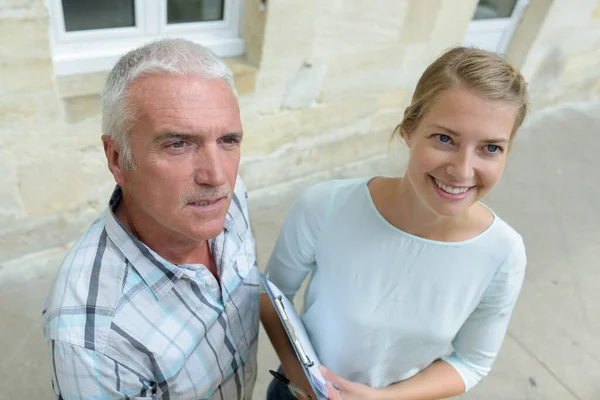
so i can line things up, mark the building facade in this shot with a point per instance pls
(322, 83)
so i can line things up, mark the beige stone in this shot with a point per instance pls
(297, 162)
(56, 182)
(253, 27)
(597, 86)
(451, 24)
(245, 83)
(24, 39)
(355, 75)
(11, 208)
(596, 12)
(32, 76)
(359, 26)
(419, 21)
(29, 5)
(581, 67)
(390, 110)
(280, 131)
(289, 32)
(17, 110)
(80, 108)
(81, 85)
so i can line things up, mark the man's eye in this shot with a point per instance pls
(231, 140)
(178, 145)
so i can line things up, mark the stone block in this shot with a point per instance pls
(24, 39)
(16, 111)
(419, 21)
(390, 111)
(299, 161)
(253, 27)
(451, 24)
(81, 85)
(353, 75)
(597, 86)
(274, 133)
(289, 32)
(245, 83)
(28, 5)
(304, 87)
(26, 77)
(580, 67)
(11, 207)
(52, 183)
(359, 26)
(81, 108)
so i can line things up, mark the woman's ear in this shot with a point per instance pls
(406, 137)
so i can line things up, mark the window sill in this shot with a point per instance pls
(72, 86)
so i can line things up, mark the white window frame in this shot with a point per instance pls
(97, 50)
(507, 26)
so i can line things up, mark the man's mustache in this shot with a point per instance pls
(205, 192)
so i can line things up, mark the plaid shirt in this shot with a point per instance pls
(122, 322)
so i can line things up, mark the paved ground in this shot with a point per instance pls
(550, 193)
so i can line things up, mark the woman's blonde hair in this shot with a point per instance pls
(485, 72)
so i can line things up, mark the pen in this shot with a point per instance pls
(294, 388)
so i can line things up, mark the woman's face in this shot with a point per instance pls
(458, 150)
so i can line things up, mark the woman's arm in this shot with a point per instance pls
(438, 381)
(293, 258)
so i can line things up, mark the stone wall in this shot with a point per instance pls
(323, 84)
(563, 61)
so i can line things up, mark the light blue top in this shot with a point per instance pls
(382, 304)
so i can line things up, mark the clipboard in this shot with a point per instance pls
(298, 337)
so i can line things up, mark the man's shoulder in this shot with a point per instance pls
(86, 290)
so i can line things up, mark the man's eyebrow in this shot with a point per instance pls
(187, 136)
(172, 135)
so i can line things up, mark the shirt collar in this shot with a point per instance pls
(158, 273)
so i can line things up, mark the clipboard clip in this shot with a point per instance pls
(290, 328)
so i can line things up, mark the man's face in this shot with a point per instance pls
(186, 149)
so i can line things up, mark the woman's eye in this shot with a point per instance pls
(492, 148)
(443, 138)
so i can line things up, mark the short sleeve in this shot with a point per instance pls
(80, 373)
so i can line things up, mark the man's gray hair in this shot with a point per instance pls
(165, 56)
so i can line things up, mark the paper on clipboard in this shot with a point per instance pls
(297, 334)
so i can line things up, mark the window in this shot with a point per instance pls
(90, 35)
(494, 23)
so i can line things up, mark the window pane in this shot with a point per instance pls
(487, 9)
(181, 11)
(82, 15)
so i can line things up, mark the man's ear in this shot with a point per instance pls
(113, 156)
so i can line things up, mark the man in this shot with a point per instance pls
(159, 298)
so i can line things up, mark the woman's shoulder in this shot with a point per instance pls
(324, 191)
(507, 241)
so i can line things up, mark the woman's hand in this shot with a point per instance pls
(347, 390)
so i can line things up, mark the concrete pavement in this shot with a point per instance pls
(549, 193)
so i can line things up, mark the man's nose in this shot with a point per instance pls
(209, 168)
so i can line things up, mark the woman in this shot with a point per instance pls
(402, 268)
